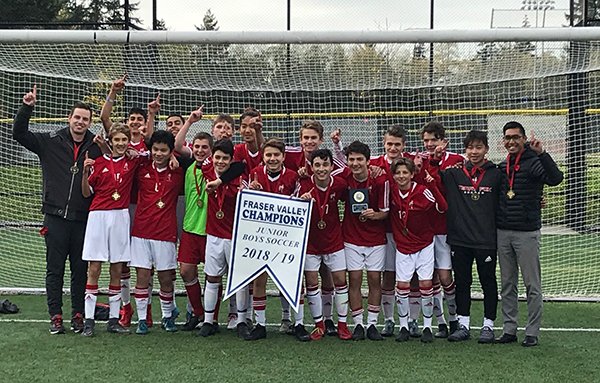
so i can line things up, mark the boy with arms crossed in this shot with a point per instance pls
(411, 208)
(366, 210)
(325, 242)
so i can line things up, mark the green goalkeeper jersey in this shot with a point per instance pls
(196, 201)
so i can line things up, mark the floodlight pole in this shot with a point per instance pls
(431, 63)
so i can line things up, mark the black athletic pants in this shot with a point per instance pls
(462, 263)
(64, 239)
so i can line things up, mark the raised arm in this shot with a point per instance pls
(21, 133)
(116, 87)
(153, 109)
(194, 117)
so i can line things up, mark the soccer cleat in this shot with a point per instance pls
(175, 313)
(258, 332)
(88, 327)
(388, 328)
(459, 335)
(427, 336)
(330, 329)
(126, 314)
(285, 327)
(114, 327)
(343, 332)
(142, 328)
(243, 330)
(359, 332)
(442, 331)
(301, 334)
(529, 341)
(317, 333)
(168, 324)
(232, 322)
(149, 320)
(403, 335)
(207, 329)
(77, 323)
(486, 335)
(373, 333)
(453, 326)
(506, 338)
(191, 324)
(216, 327)
(56, 325)
(413, 329)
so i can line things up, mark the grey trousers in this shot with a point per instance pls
(520, 249)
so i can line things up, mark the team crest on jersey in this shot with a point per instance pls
(126, 167)
(281, 187)
(147, 175)
(411, 205)
(169, 177)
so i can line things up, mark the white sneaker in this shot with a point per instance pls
(232, 322)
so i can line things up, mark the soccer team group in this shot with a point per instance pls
(411, 220)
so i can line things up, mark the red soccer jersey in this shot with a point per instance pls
(221, 205)
(155, 216)
(241, 153)
(368, 233)
(296, 159)
(328, 239)
(284, 183)
(140, 147)
(449, 159)
(111, 180)
(412, 210)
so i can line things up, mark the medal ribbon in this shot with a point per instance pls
(321, 205)
(113, 174)
(76, 147)
(159, 187)
(221, 196)
(473, 174)
(202, 191)
(511, 175)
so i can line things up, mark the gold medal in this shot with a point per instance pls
(220, 214)
(475, 196)
(116, 196)
(160, 204)
(321, 225)
(510, 194)
(362, 218)
(200, 203)
(74, 169)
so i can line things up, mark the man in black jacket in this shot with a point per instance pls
(65, 210)
(472, 194)
(526, 170)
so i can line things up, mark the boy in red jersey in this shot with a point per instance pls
(434, 136)
(298, 159)
(273, 177)
(366, 211)
(248, 152)
(154, 234)
(410, 215)
(325, 242)
(107, 231)
(219, 227)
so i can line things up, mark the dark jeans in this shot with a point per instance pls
(64, 239)
(462, 263)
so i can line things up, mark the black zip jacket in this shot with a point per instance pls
(61, 188)
(471, 220)
(523, 211)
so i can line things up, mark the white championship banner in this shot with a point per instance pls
(270, 232)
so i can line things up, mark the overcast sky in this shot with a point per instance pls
(270, 15)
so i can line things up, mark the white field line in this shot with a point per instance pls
(546, 329)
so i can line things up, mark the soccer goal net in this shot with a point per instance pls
(348, 81)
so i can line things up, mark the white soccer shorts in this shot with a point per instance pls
(370, 258)
(335, 261)
(441, 249)
(107, 236)
(146, 253)
(390, 253)
(218, 251)
(420, 262)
